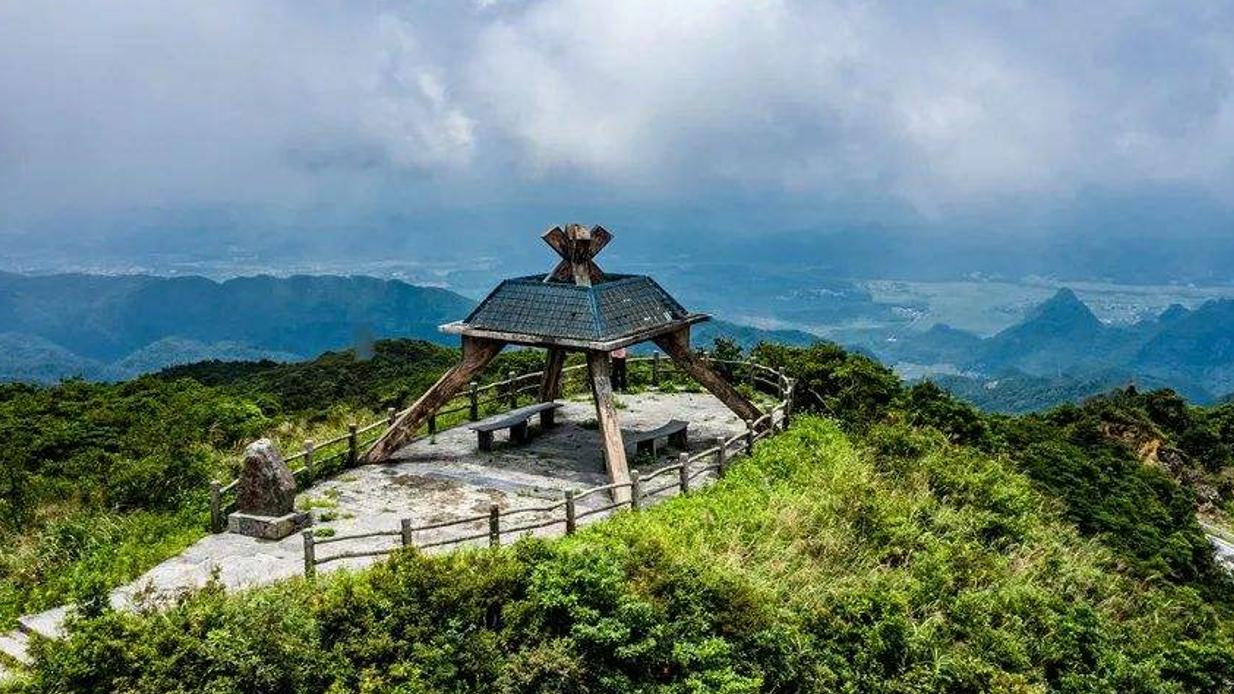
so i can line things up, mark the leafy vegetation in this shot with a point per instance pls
(1081, 455)
(905, 564)
(910, 542)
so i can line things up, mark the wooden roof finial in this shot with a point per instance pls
(577, 245)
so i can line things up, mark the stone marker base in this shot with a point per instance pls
(267, 527)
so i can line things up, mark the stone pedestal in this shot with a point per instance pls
(266, 496)
(267, 527)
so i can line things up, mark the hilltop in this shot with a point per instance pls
(908, 539)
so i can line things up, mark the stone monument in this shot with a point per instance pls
(266, 496)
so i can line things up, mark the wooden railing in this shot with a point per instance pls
(318, 459)
(716, 461)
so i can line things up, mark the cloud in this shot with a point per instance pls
(144, 103)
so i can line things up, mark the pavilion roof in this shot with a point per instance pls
(615, 309)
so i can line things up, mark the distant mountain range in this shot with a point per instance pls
(1062, 351)
(115, 327)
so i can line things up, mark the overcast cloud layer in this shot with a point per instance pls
(935, 107)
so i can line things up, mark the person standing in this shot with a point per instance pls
(619, 370)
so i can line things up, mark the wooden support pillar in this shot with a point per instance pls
(477, 353)
(600, 367)
(550, 382)
(677, 346)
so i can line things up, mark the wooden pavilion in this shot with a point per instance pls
(576, 307)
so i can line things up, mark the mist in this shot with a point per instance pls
(428, 129)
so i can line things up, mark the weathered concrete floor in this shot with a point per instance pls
(429, 482)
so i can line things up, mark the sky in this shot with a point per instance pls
(436, 122)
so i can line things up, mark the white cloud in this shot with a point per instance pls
(177, 102)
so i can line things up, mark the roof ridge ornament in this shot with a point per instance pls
(577, 245)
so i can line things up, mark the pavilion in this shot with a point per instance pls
(576, 307)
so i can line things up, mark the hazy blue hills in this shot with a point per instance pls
(1062, 352)
(1059, 335)
(117, 327)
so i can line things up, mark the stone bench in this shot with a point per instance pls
(674, 431)
(516, 421)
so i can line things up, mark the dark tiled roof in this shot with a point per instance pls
(619, 306)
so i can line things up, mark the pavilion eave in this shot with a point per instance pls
(528, 340)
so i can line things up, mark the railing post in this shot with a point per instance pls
(721, 457)
(310, 555)
(655, 368)
(570, 524)
(432, 428)
(636, 490)
(684, 472)
(494, 526)
(750, 375)
(308, 461)
(513, 386)
(391, 417)
(216, 506)
(405, 528)
(353, 445)
(750, 437)
(788, 401)
(473, 401)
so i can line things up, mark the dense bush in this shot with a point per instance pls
(849, 387)
(812, 568)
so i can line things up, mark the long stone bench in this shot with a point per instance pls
(673, 431)
(516, 421)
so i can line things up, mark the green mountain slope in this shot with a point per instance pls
(816, 566)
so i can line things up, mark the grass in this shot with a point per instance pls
(81, 551)
(908, 565)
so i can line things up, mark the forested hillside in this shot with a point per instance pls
(115, 327)
(915, 544)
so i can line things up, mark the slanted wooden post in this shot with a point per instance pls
(405, 530)
(570, 522)
(599, 366)
(721, 457)
(494, 526)
(216, 506)
(308, 461)
(636, 490)
(477, 353)
(550, 380)
(310, 555)
(353, 445)
(655, 368)
(750, 437)
(513, 386)
(684, 473)
(473, 401)
(677, 346)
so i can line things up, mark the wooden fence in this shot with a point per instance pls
(714, 461)
(319, 459)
